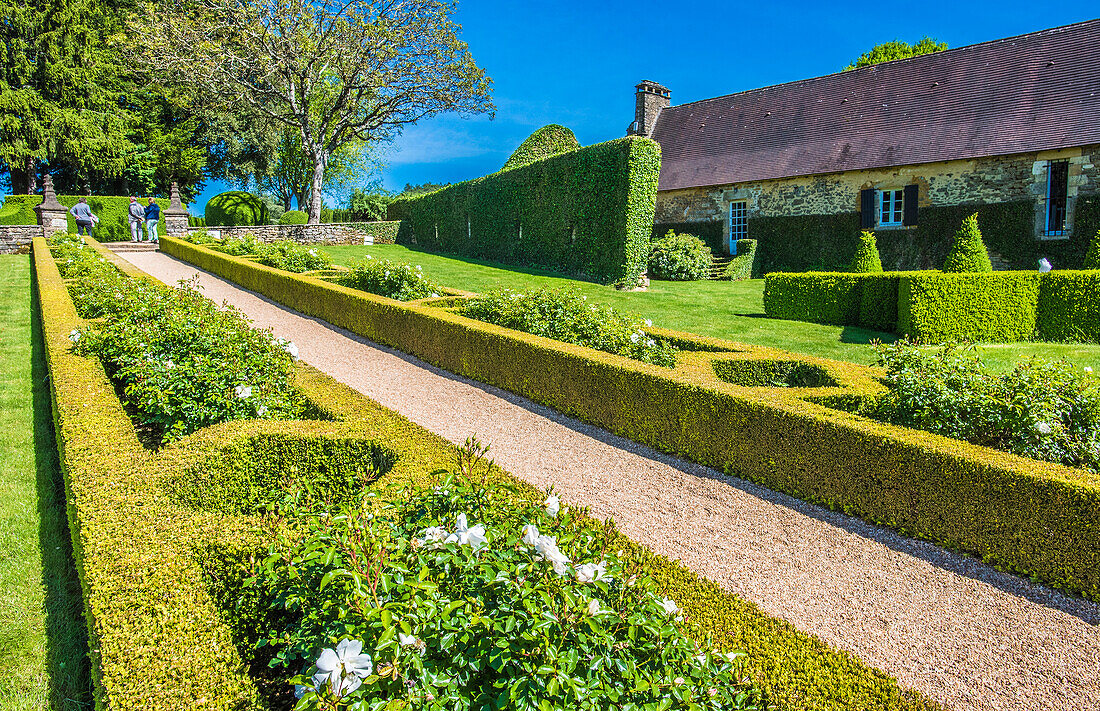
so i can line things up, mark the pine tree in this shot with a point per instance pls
(968, 254)
(1092, 257)
(867, 260)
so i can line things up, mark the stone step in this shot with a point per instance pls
(131, 246)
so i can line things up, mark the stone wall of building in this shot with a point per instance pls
(329, 233)
(14, 237)
(980, 181)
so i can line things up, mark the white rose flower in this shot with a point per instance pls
(648, 322)
(433, 537)
(547, 548)
(290, 348)
(473, 536)
(74, 335)
(1044, 428)
(552, 504)
(634, 338)
(406, 640)
(343, 668)
(530, 534)
(1088, 369)
(595, 609)
(669, 606)
(243, 391)
(261, 410)
(592, 572)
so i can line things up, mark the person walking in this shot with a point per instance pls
(137, 216)
(152, 219)
(85, 218)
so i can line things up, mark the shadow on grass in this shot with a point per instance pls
(863, 336)
(67, 663)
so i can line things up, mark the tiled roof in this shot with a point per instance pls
(1033, 92)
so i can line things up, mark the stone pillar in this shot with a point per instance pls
(176, 215)
(52, 215)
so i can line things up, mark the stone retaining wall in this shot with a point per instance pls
(329, 233)
(12, 237)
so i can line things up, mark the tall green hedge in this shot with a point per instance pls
(113, 213)
(1069, 306)
(545, 142)
(818, 297)
(746, 264)
(997, 307)
(711, 231)
(806, 243)
(588, 213)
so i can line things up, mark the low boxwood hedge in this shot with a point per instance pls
(819, 297)
(1036, 518)
(996, 307)
(1069, 306)
(162, 540)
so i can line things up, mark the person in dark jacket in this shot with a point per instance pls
(85, 218)
(152, 218)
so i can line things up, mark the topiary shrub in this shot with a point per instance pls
(235, 208)
(543, 143)
(294, 217)
(968, 254)
(867, 260)
(679, 257)
(1092, 257)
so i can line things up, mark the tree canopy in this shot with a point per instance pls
(889, 51)
(336, 74)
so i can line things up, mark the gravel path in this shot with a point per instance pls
(944, 624)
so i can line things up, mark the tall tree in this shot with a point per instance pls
(288, 174)
(889, 51)
(336, 73)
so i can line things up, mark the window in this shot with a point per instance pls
(739, 222)
(891, 207)
(1057, 198)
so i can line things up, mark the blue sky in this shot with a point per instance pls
(576, 63)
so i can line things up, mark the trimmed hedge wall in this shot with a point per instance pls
(994, 307)
(547, 141)
(819, 297)
(828, 242)
(586, 213)
(1036, 518)
(712, 232)
(161, 570)
(1069, 306)
(113, 213)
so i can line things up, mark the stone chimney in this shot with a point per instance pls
(649, 98)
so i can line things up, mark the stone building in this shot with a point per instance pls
(1008, 128)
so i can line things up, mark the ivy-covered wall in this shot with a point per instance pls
(586, 213)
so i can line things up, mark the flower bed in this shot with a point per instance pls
(568, 317)
(283, 254)
(180, 362)
(164, 541)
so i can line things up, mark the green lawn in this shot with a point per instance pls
(43, 643)
(733, 310)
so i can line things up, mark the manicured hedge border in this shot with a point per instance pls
(586, 212)
(937, 307)
(152, 569)
(1036, 518)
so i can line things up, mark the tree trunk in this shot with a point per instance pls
(31, 177)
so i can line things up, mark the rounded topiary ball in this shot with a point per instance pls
(547, 141)
(234, 209)
(867, 259)
(294, 217)
(968, 254)
(679, 258)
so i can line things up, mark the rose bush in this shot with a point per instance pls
(411, 604)
(566, 316)
(181, 361)
(395, 280)
(1046, 411)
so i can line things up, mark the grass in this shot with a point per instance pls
(733, 310)
(43, 640)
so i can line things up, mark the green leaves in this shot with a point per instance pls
(679, 257)
(395, 280)
(497, 627)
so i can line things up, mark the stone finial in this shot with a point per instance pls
(175, 205)
(175, 215)
(49, 197)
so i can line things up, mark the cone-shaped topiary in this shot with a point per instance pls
(1092, 257)
(968, 254)
(867, 260)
